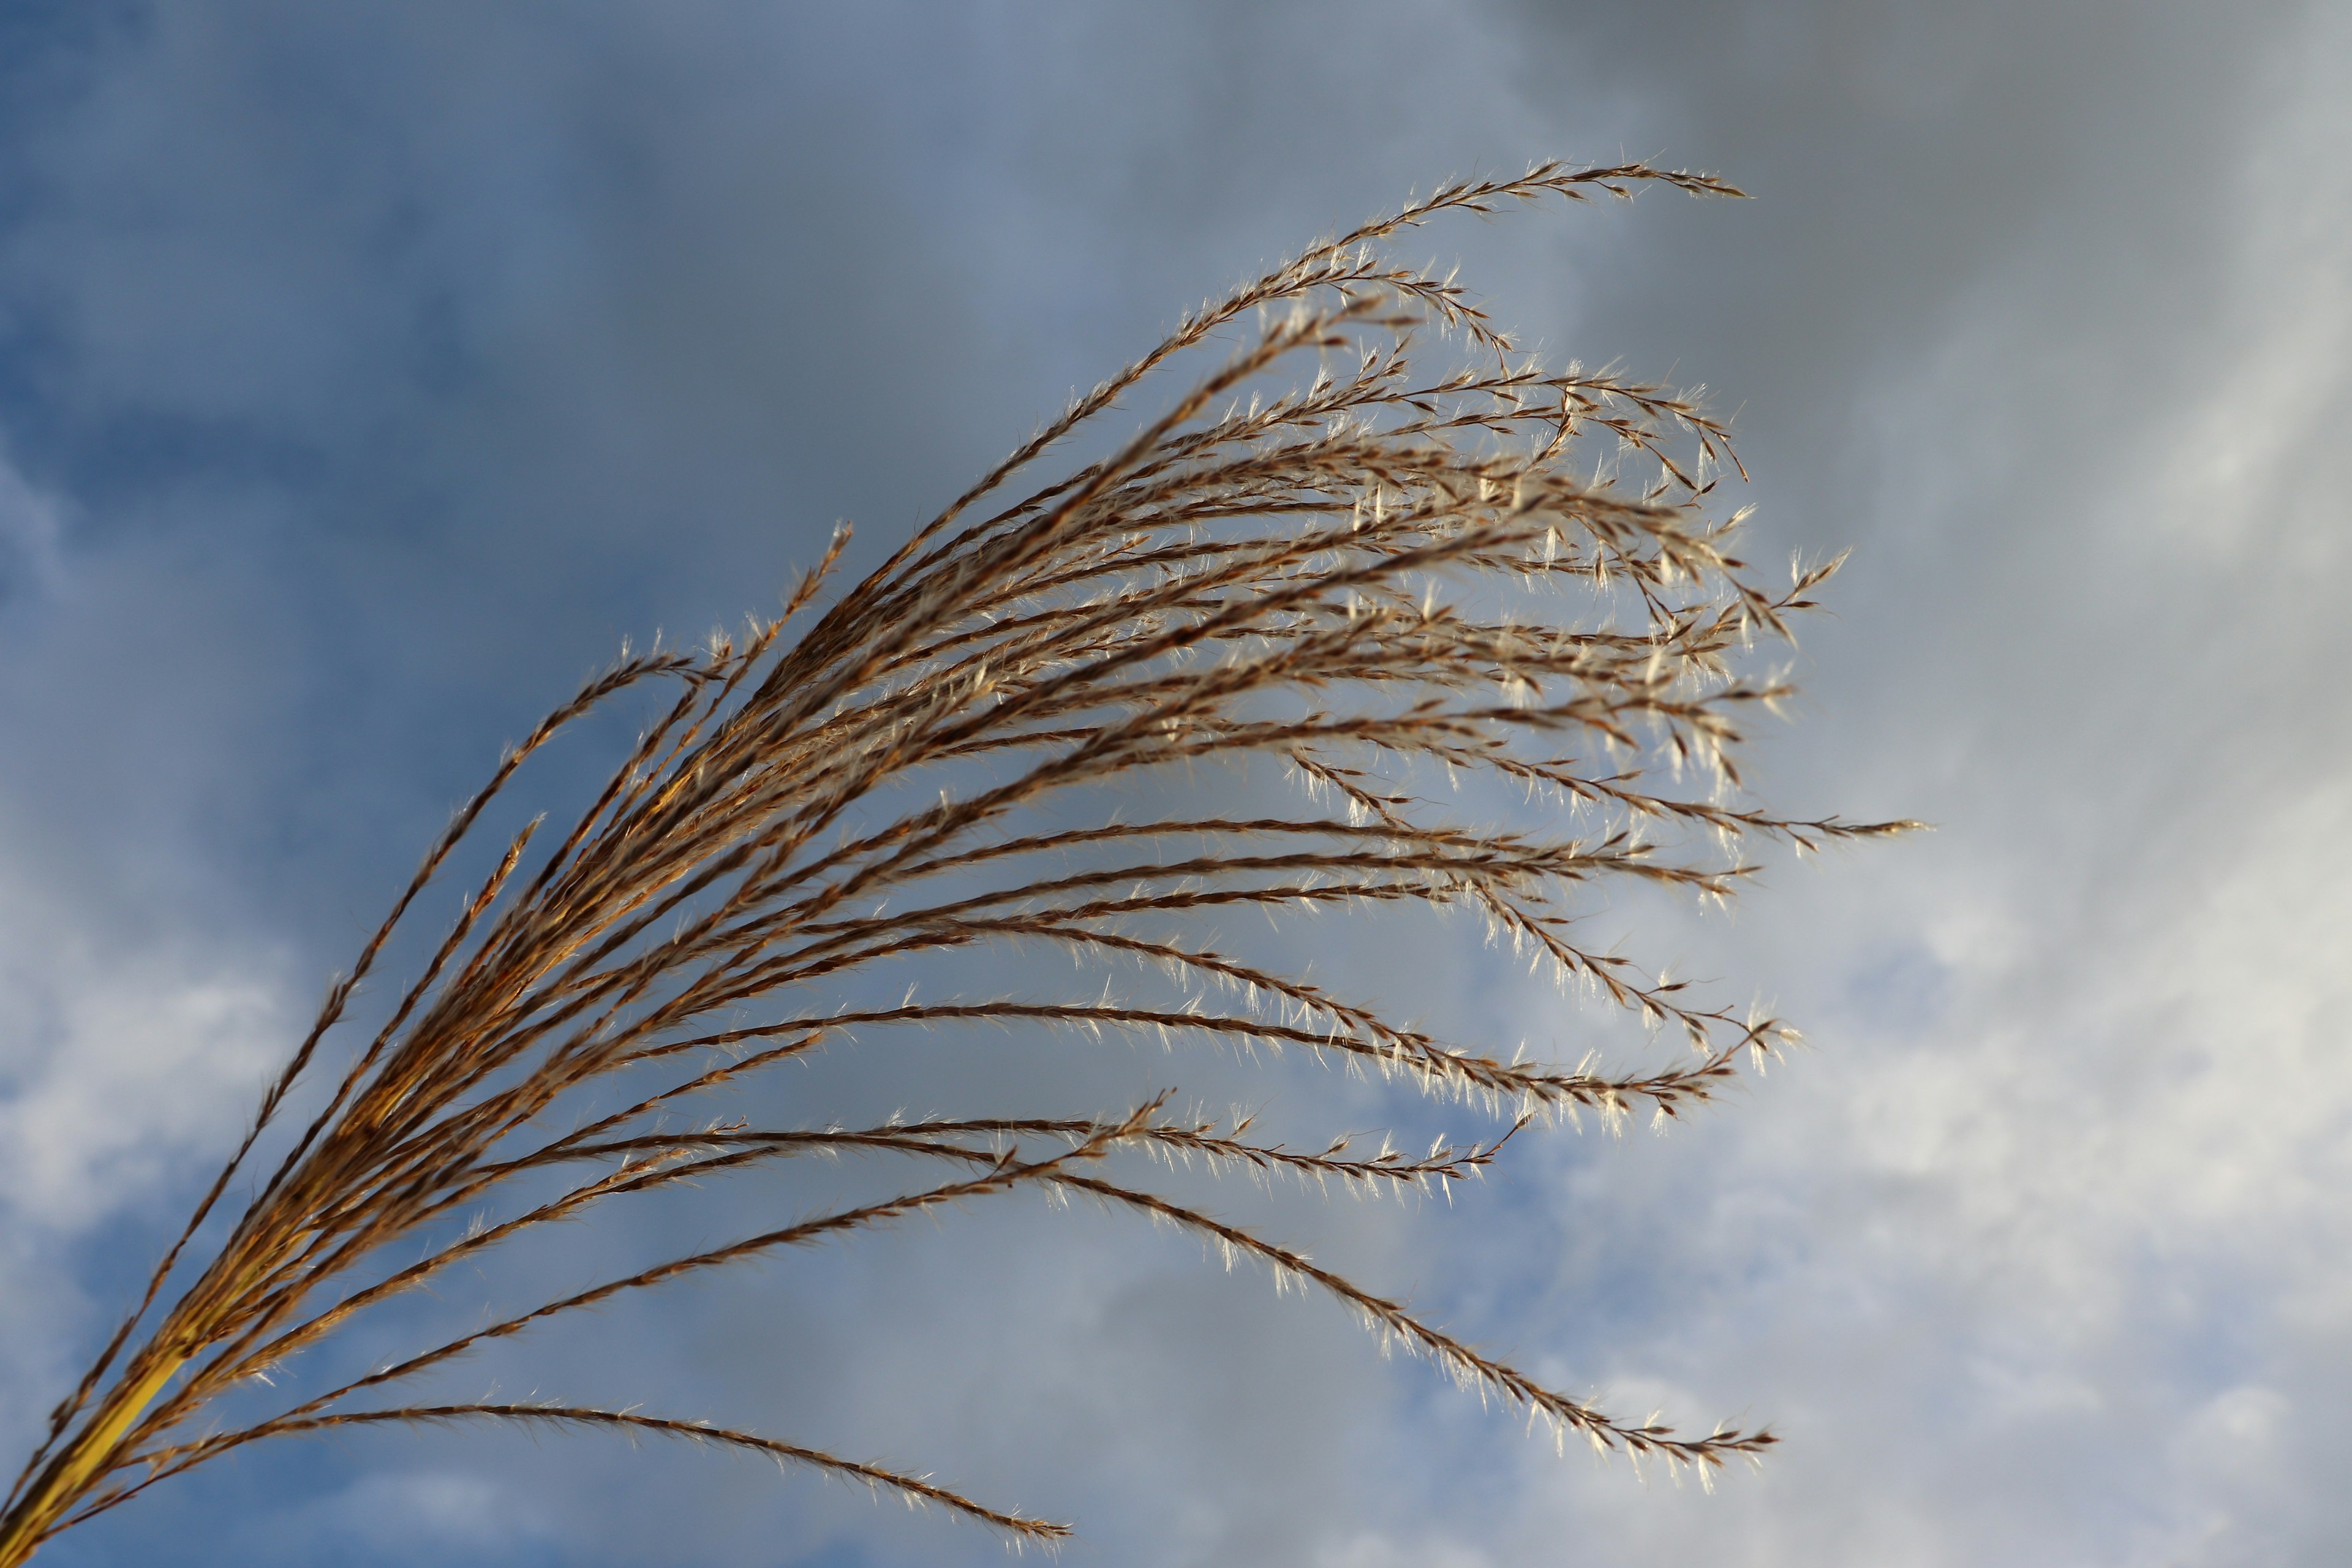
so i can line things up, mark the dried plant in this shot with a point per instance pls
(1363, 576)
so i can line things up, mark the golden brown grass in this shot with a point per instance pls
(1359, 572)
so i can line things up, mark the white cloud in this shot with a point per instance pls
(132, 1029)
(121, 1067)
(126, 1066)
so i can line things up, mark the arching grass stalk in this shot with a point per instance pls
(1315, 555)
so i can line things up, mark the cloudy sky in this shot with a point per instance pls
(368, 372)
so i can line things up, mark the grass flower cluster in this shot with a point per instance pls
(1314, 556)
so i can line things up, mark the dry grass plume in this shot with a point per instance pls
(1315, 554)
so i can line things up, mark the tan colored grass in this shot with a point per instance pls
(1368, 576)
